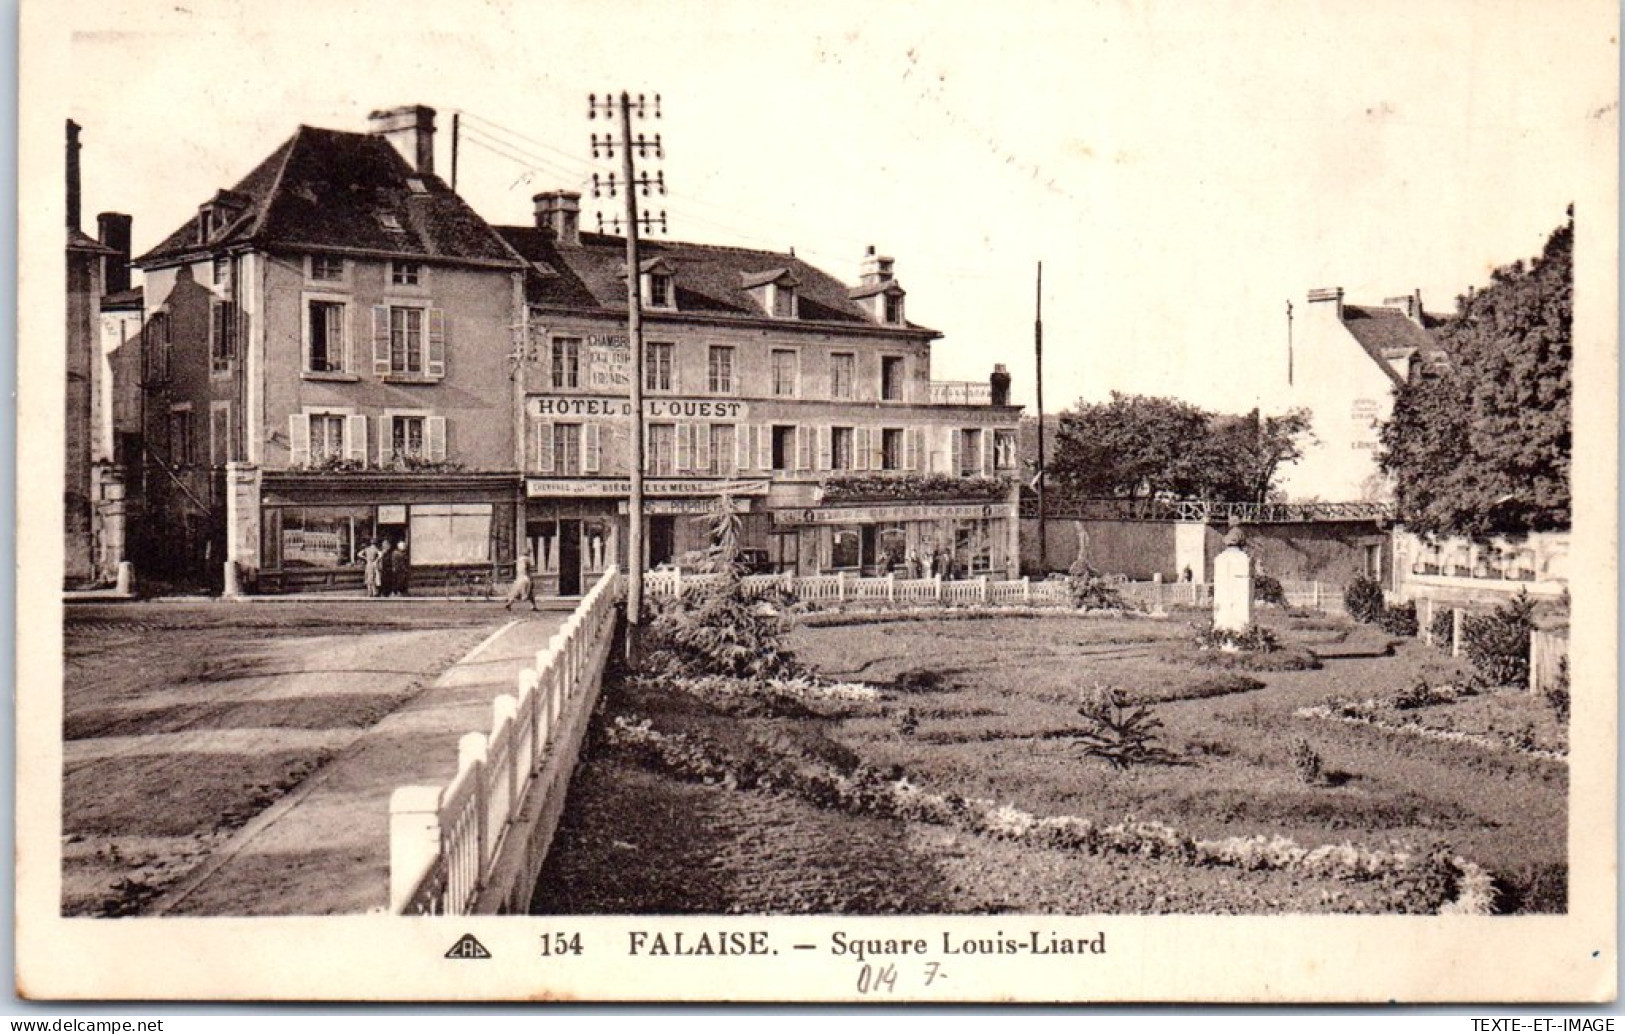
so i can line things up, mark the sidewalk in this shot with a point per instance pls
(324, 848)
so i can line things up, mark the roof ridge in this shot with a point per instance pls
(264, 206)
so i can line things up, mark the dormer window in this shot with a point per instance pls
(784, 301)
(658, 285)
(775, 291)
(391, 222)
(894, 308)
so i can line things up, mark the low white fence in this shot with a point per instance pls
(842, 588)
(477, 844)
(1548, 654)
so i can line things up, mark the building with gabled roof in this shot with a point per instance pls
(1344, 365)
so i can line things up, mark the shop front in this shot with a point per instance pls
(455, 530)
(954, 540)
(576, 527)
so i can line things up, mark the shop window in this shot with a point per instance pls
(722, 449)
(450, 533)
(566, 362)
(891, 378)
(891, 547)
(785, 373)
(325, 351)
(657, 366)
(321, 536)
(719, 374)
(662, 458)
(841, 449)
(784, 447)
(845, 548)
(842, 372)
(891, 448)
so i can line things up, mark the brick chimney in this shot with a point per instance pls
(876, 269)
(558, 212)
(73, 175)
(999, 385)
(410, 130)
(113, 230)
(1328, 294)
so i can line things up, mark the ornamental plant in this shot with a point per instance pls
(720, 629)
(1363, 600)
(1252, 639)
(1118, 731)
(1268, 590)
(1399, 620)
(1498, 642)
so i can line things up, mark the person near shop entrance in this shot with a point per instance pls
(522, 588)
(372, 557)
(396, 569)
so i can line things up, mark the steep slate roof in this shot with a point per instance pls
(1385, 331)
(79, 240)
(324, 189)
(710, 280)
(130, 299)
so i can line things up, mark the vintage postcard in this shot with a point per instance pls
(864, 502)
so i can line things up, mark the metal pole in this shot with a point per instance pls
(1038, 358)
(634, 338)
(456, 131)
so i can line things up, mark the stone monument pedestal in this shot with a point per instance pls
(1233, 590)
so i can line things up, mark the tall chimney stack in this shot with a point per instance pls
(113, 230)
(410, 130)
(73, 175)
(558, 212)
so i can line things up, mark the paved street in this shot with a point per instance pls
(237, 759)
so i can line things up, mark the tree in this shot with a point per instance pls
(1139, 446)
(1483, 447)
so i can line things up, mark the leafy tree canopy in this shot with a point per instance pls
(1482, 448)
(1140, 446)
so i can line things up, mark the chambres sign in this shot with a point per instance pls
(608, 362)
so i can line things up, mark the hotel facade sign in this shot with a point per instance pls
(552, 407)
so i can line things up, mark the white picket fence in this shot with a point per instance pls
(477, 844)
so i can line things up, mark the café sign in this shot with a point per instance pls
(613, 488)
(899, 512)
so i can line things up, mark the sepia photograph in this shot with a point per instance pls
(872, 502)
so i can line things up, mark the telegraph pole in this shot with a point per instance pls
(608, 107)
(1038, 358)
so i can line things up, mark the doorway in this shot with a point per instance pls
(569, 558)
(662, 540)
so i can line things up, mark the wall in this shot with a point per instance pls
(475, 396)
(84, 289)
(1462, 572)
(1350, 397)
(1137, 549)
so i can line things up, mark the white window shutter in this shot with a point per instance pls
(437, 343)
(987, 451)
(434, 433)
(764, 446)
(825, 448)
(298, 440)
(380, 340)
(544, 447)
(804, 456)
(956, 450)
(591, 448)
(861, 447)
(685, 446)
(355, 439)
(877, 449)
(702, 448)
(911, 449)
(743, 436)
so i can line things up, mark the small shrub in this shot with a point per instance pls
(1307, 763)
(719, 630)
(1252, 639)
(1442, 628)
(1421, 694)
(1400, 620)
(1269, 590)
(1118, 731)
(1090, 592)
(1557, 697)
(1427, 883)
(1363, 600)
(906, 722)
(1498, 642)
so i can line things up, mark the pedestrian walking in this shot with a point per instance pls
(400, 568)
(372, 556)
(522, 588)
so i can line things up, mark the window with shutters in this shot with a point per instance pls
(406, 438)
(180, 435)
(409, 342)
(842, 373)
(657, 366)
(567, 449)
(970, 451)
(785, 372)
(222, 336)
(158, 348)
(784, 447)
(326, 437)
(891, 448)
(841, 449)
(891, 378)
(719, 372)
(566, 362)
(326, 343)
(722, 450)
(662, 458)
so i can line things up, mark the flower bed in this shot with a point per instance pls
(1436, 881)
(1377, 714)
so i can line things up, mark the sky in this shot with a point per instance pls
(1181, 169)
